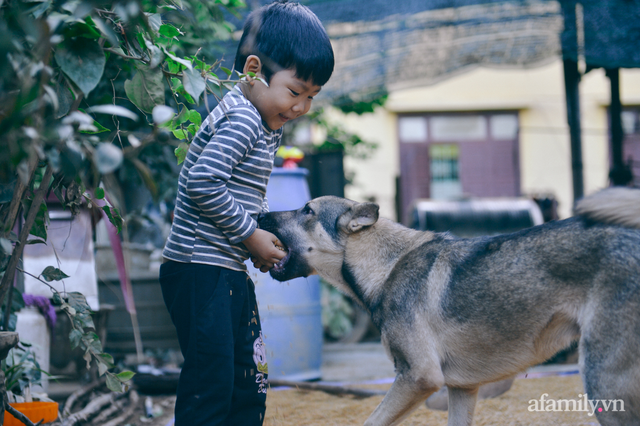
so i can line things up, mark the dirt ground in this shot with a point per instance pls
(310, 408)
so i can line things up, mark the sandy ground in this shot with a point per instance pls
(306, 408)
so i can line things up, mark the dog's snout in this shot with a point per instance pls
(261, 216)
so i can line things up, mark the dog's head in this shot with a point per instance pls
(315, 235)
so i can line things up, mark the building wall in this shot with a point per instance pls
(536, 93)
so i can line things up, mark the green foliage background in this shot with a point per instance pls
(95, 95)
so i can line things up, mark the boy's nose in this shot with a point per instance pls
(299, 107)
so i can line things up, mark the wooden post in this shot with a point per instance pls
(572, 94)
(620, 173)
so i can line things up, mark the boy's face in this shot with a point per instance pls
(286, 98)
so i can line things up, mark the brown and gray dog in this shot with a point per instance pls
(467, 312)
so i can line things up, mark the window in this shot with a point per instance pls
(450, 154)
(444, 171)
(412, 129)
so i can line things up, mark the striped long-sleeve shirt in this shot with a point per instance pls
(222, 185)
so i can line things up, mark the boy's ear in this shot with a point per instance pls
(252, 64)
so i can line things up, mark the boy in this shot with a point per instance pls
(221, 191)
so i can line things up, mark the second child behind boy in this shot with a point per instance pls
(221, 190)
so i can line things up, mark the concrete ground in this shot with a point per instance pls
(355, 362)
(360, 362)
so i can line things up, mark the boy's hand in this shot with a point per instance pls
(264, 254)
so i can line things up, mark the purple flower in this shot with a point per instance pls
(44, 306)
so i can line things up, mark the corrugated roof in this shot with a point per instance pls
(382, 45)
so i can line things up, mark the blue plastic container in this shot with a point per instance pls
(290, 312)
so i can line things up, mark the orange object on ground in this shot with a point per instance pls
(35, 411)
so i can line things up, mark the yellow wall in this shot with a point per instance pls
(538, 95)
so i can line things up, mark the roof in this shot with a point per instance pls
(382, 46)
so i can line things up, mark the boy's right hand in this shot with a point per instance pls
(264, 254)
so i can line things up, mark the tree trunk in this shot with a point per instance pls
(7, 279)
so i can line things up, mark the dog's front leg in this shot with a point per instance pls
(462, 402)
(407, 392)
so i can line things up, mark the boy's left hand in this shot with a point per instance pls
(264, 254)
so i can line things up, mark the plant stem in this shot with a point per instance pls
(18, 191)
(7, 279)
(39, 279)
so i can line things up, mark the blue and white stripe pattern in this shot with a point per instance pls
(222, 185)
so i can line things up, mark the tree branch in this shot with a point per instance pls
(18, 191)
(18, 415)
(7, 279)
(124, 55)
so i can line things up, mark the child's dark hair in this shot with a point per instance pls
(287, 36)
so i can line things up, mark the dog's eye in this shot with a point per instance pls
(307, 210)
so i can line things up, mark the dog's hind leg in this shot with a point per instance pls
(407, 392)
(462, 402)
(610, 366)
(612, 386)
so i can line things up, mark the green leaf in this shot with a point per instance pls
(114, 384)
(193, 129)
(155, 55)
(141, 40)
(174, 67)
(181, 61)
(57, 299)
(146, 88)
(51, 273)
(226, 71)
(78, 301)
(111, 109)
(106, 30)
(39, 228)
(82, 60)
(179, 134)
(114, 217)
(125, 376)
(106, 359)
(87, 357)
(65, 99)
(95, 344)
(193, 83)
(75, 337)
(36, 241)
(155, 21)
(169, 31)
(99, 193)
(182, 118)
(195, 117)
(83, 320)
(100, 127)
(6, 246)
(162, 114)
(181, 152)
(102, 369)
(68, 308)
(107, 157)
(81, 29)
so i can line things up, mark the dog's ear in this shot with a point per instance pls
(360, 216)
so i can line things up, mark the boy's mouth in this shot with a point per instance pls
(283, 118)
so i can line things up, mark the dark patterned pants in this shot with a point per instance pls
(224, 376)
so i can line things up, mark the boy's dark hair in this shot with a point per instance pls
(287, 36)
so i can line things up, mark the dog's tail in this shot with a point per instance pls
(615, 206)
